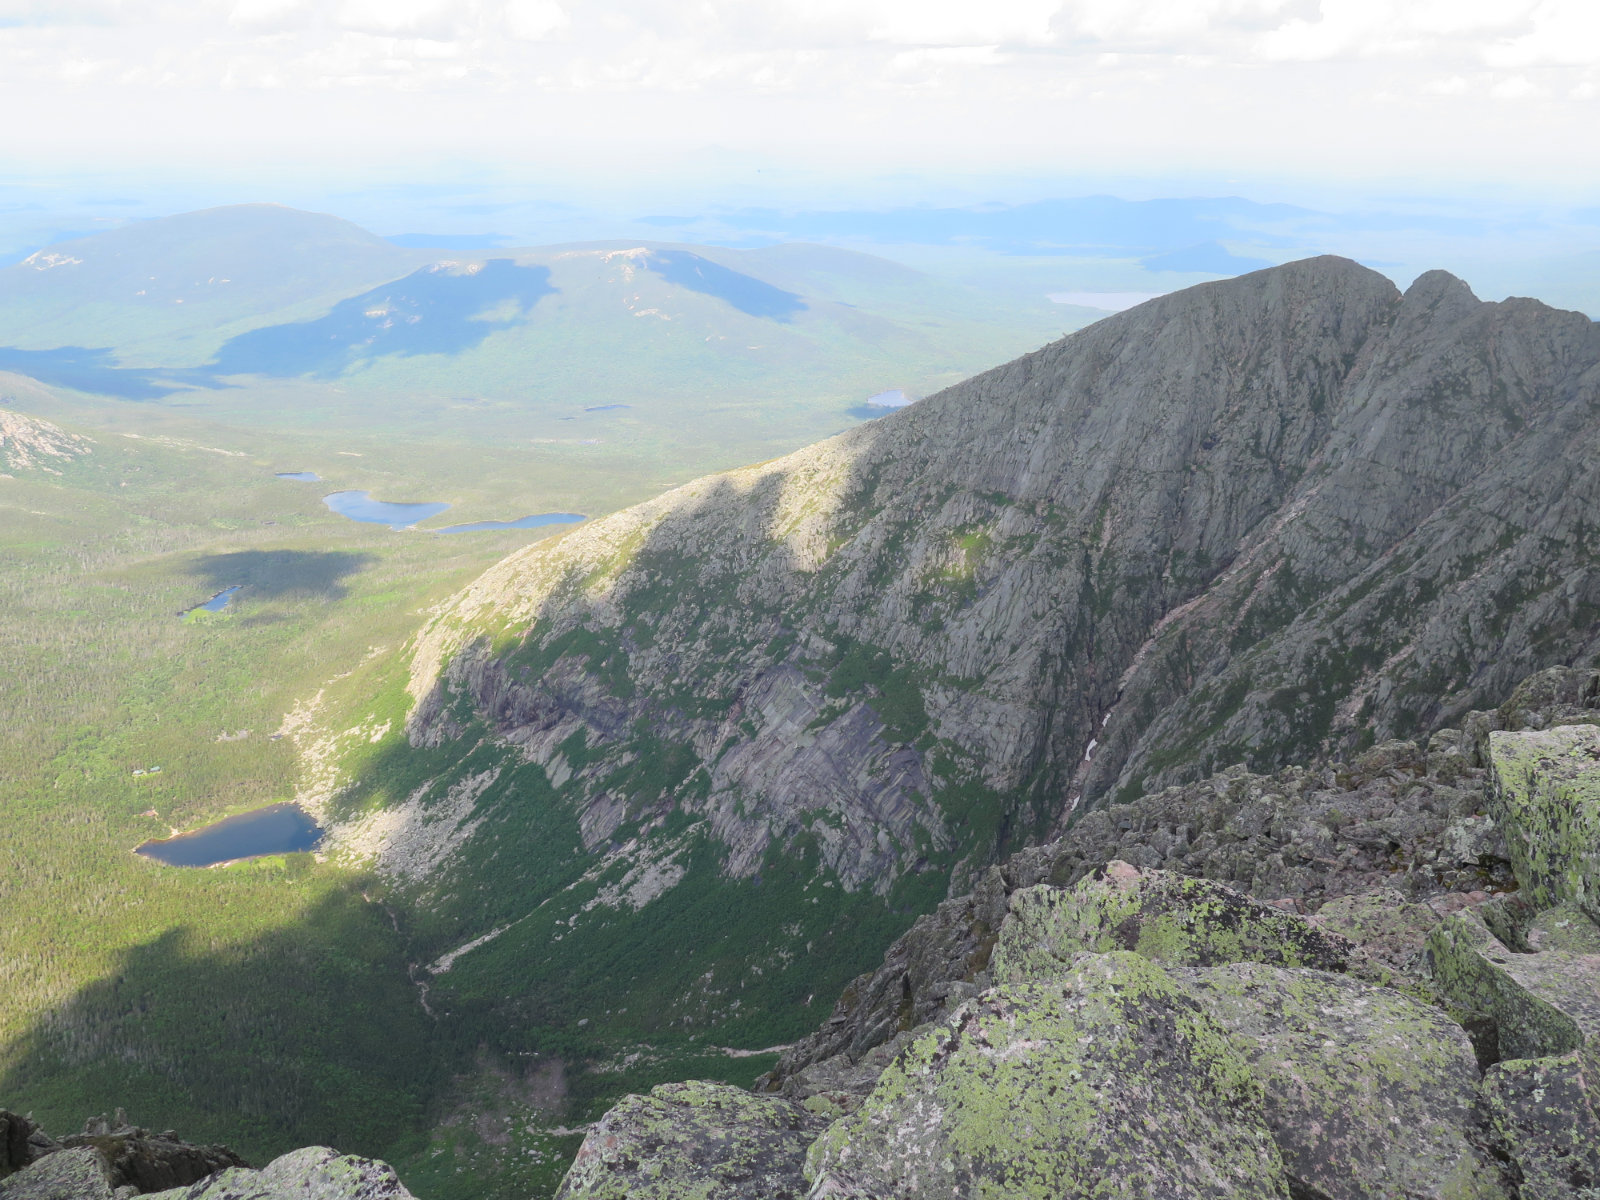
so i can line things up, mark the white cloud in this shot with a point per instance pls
(1148, 81)
(531, 20)
(398, 16)
(269, 13)
(1561, 32)
(1516, 87)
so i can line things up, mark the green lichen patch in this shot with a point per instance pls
(1545, 794)
(1159, 915)
(1541, 1004)
(694, 1141)
(1107, 1082)
(1368, 1093)
(1565, 927)
(76, 1174)
(1542, 1112)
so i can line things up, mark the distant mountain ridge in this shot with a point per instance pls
(1254, 522)
(191, 302)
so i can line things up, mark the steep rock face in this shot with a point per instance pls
(1246, 522)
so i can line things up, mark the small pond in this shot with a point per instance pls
(300, 476)
(894, 398)
(360, 506)
(217, 603)
(278, 829)
(532, 522)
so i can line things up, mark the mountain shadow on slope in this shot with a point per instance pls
(309, 1034)
(94, 370)
(749, 295)
(441, 309)
(273, 573)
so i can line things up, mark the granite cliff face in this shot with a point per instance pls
(1254, 522)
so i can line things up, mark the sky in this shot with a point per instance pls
(654, 97)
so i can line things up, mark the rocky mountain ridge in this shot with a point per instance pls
(1246, 522)
(775, 714)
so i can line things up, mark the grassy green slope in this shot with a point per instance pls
(167, 292)
(265, 1004)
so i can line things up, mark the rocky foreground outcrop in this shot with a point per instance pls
(115, 1160)
(1083, 1028)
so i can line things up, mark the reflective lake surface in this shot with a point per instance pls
(360, 506)
(300, 476)
(278, 829)
(217, 603)
(894, 398)
(532, 522)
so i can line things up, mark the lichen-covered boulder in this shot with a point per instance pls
(1158, 915)
(313, 1173)
(1542, 1004)
(708, 1141)
(1565, 927)
(78, 1174)
(1368, 1093)
(1107, 1082)
(1545, 794)
(1543, 1114)
(1391, 930)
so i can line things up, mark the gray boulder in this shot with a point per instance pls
(1546, 795)
(1368, 1092)
(1108, 1082)
(1542, 1004)
(78, 1174)
(703, 1140)
(312, 1173)
(1544, 1116)
(1158, 915)
(21, 1142)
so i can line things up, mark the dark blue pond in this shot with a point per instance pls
(280, 829)
(217, 603)
(532, 522)
(360, 506)
(300, 476)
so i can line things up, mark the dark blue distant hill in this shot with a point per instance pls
(1210, 257)
(437, 310)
